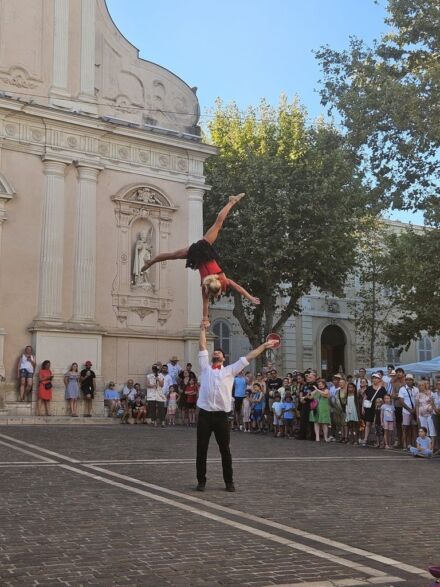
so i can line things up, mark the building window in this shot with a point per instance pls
(222, 331)
(425, 348)
(393, 356)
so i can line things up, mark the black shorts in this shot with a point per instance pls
(201, 252)
(90, 392)
(238, 404)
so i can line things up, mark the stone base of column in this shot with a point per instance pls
(64, 345)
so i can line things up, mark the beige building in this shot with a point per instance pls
(101, 166)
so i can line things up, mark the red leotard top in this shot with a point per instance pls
(213, 268)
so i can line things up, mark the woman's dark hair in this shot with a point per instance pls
(351, 384)
(44, 364)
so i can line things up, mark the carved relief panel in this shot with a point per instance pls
(143, 216)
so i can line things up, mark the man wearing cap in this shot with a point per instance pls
(408, 393)
(87, 381)
(214, 405)
(174, 369)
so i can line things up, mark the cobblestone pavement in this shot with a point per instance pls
(116, 506)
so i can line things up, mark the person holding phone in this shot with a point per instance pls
(320, 409)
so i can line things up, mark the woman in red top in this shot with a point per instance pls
(202, 256)
(45, 387)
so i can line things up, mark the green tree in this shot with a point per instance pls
(388, 98)
(372, 307)
(412, 270)
(294, 229)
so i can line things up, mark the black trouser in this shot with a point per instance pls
(305, 427)
(161, 410)
(218, 423)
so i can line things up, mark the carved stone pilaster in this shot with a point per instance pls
(195, 232)
(52, 242)
(60, 48)
(87, 73)
(84, 290)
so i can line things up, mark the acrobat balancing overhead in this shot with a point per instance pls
(202, 256)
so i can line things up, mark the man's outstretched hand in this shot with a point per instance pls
(271, 344)
(205, 324)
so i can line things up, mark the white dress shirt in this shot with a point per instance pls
(215, 391)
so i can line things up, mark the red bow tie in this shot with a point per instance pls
(216, 366)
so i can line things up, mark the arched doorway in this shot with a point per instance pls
(333, 343)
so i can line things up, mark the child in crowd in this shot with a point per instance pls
(423, 446)
(352, 413)
(231, 413)
(387, 419)
(378, 424)
(246, 411)
(288, 414)
(125, 409)
(111, 397)
(138, 410)
(257, 403)
(277, 410)
(173, 398)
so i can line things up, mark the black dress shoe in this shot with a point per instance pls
(200, 487)
(230, 487)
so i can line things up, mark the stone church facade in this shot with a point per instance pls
(101, 166)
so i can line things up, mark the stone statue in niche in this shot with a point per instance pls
(146, 196)
(142, 253)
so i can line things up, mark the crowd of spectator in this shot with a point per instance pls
(386, 410)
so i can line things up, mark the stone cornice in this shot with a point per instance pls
(96, 125)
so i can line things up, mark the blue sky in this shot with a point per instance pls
(245, 50)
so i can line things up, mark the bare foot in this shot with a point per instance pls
(254, 300)
(146, 266)
(237, 198)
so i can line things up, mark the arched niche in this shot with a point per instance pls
(141, 209)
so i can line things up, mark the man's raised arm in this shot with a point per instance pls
(203, 346)
(270, 344)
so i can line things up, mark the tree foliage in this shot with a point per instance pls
(372, 307)
(412, 270)
(294, 228)
(388, 97)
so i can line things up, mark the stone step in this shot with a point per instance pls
(15, 408)
(11, 420)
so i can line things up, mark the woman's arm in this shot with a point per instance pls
(205, 315)
(243, 292)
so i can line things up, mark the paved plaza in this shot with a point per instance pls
(90, 505)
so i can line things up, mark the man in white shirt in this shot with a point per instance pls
(174, 369)
(362, 374)
(154, 385)
(408, 393)
(129, 391)
(214, 405)
(162, 396)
